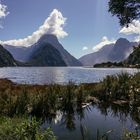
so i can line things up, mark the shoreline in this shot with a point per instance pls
(5, 82)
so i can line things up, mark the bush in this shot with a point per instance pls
(130, 135)
(23, 129)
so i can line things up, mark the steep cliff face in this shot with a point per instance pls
(46, 55)
(6, 59)
(51, 39)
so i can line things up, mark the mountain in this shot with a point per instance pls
(134, 58)
(51, 39)
(97, 57)
(109, 53)
(6, 59)
(121, 50)
(25, 54)
(19, 53)
(46, 55)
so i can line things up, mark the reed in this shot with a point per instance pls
(45, 100)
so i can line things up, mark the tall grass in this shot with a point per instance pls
(46, 100)
(119, 87)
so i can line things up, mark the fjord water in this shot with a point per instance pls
(59, 75)
(95, 121)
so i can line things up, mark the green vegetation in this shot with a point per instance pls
(23, 129)
(119, 87)
(109, 64)
(43, 102)
(130, 135)
(125, 10)
(134, 58)
(6, 59)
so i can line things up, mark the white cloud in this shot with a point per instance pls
(53, 25)
(3, 11)
(104, 41)
(133, 28)
(85, 48)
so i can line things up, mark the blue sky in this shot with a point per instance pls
(88, 22)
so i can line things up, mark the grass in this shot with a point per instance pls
(119, 87)
(16, 99)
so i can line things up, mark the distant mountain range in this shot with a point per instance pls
(47, 51)
(133, 61)
(110, 53)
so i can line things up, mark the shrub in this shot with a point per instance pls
(23, 129)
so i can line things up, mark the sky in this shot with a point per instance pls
(82, 26)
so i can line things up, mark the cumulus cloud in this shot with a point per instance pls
(104, 41)
(132, 29)
(53, 25)
(85, 48)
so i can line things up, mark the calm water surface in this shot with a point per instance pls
(61, 75)
(84, 125)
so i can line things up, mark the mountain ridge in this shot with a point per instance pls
(109, 53)
(24, 54)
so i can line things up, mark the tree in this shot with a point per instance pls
(125, 10)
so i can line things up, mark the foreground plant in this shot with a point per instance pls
(23, 129)
(130, 135)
